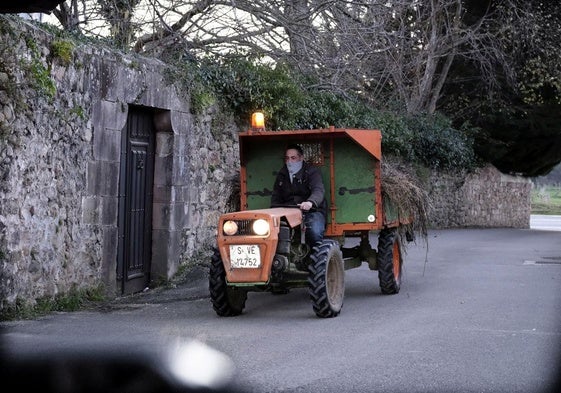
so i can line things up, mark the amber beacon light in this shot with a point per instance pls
(257, 120)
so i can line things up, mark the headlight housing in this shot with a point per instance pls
(260, 227)
(230, 228)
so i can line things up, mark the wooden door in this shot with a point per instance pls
(135, 201)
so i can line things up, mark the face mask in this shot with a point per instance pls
(294, 167)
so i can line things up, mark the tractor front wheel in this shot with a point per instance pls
(227, 301)
(326, 279)
(390, 261)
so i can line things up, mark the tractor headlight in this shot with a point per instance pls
(260, 227)
(230, 227)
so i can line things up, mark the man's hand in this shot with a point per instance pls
(307, 205)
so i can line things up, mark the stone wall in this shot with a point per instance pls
(62, 120)
(62, 117)
(484, 198)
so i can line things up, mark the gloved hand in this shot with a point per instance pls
(307, 205)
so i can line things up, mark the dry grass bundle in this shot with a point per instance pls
(402, 187)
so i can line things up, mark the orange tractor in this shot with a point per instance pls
(262, 248)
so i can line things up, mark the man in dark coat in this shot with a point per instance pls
(300, 184)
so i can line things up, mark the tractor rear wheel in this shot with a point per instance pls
(390, 261)
(227, 301)
(326, 279)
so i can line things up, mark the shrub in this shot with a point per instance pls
(241, 87)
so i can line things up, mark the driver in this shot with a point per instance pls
(300, 184)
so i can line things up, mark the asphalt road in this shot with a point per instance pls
(479, 311)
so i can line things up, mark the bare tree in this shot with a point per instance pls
(428, 37)
(389, 51)
(68, 15)
(119, 14)
(400, 51)
(114, 19)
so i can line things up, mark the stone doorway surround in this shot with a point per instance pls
(123, 87)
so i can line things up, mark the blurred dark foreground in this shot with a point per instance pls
(180, 366)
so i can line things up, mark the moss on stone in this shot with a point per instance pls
(62, 50)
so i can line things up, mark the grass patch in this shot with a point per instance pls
(546, 200)
(75, 300)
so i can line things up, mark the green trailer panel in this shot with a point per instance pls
(353, 169)
(355, 193)
(263, 159)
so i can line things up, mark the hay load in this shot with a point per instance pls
(403, 188)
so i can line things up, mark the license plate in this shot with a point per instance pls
(245, 256)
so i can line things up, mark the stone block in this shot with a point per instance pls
(181, 147)
(109, 256)
(117, 82)
(103, 178)
(163, 170)
(179, 214)
(164, 144)
(109, 211)
(107, 144)
(181, 122)
(91, 210)
(165, 253)
(171, 216)
(155, 93)
(163, 193)
(168, 194)
(161, 216)
(109, 114)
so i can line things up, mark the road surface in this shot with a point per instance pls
(479, 311)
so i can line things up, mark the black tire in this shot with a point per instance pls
(326, 279)
(226, 300)
(390, 261)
